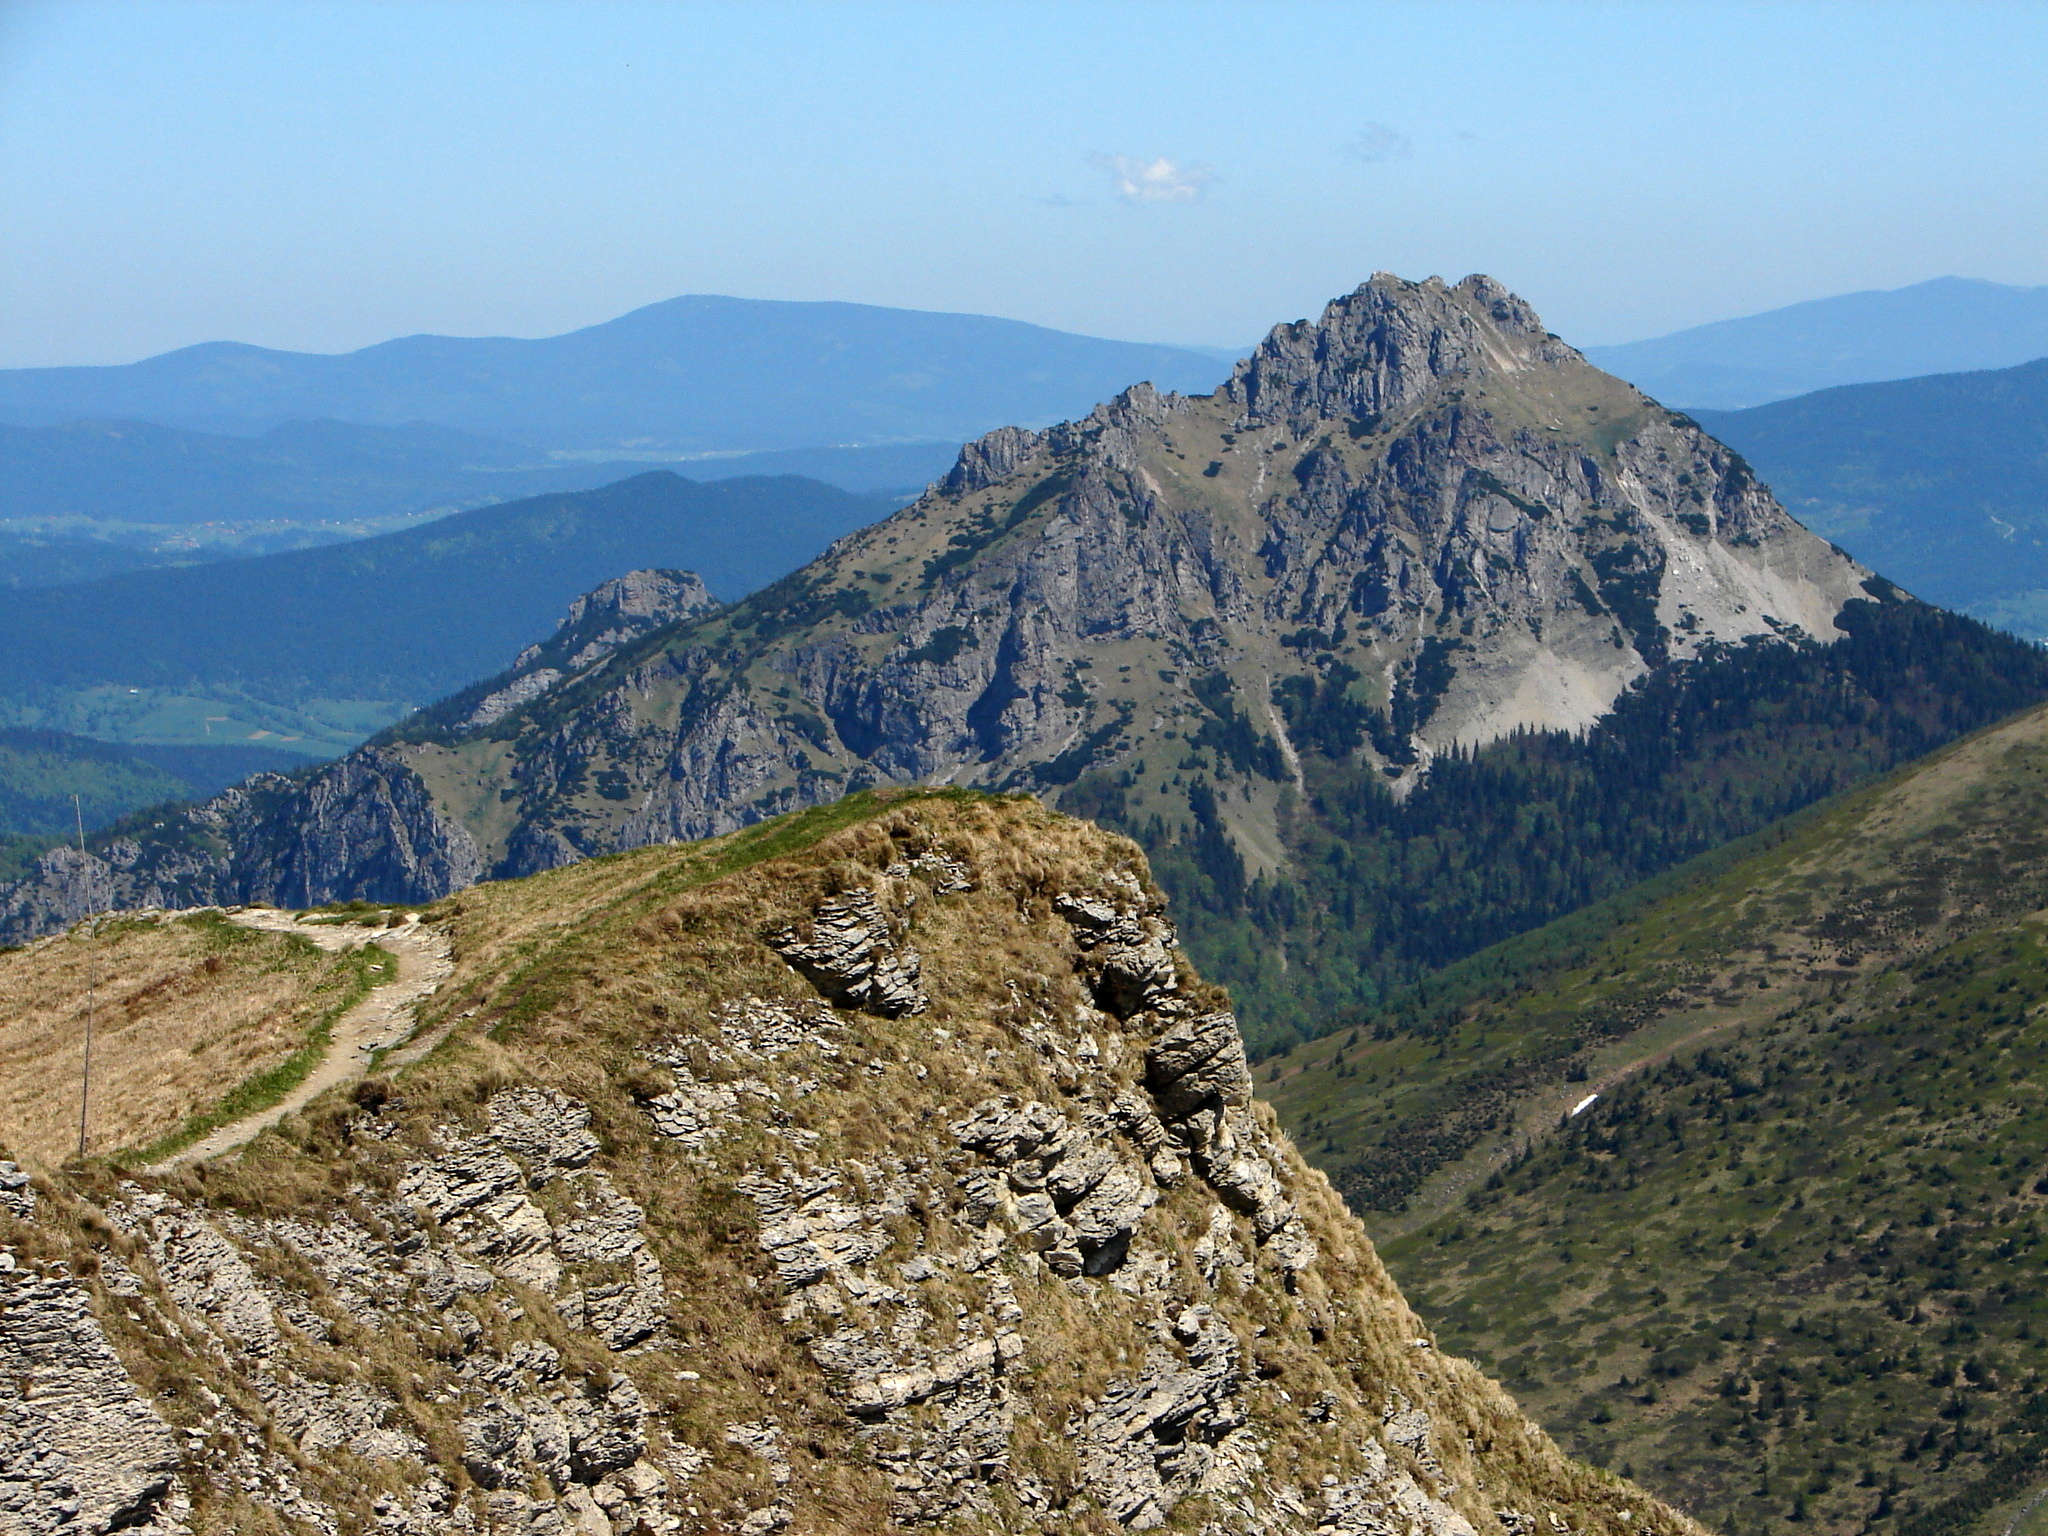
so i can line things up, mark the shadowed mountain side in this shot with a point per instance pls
(40, 772)
(1940, 483)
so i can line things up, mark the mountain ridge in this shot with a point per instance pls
(1943, 325)
(879, 1169)
(698, 372)
(1423, 515)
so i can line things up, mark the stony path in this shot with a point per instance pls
(384, 1018)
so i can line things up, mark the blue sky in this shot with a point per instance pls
(322, 176)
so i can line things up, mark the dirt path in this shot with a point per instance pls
(420, 963)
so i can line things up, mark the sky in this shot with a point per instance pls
(322, 176)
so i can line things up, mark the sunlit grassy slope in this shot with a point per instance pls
(1788, 1265)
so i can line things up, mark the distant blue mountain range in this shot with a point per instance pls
(696, 374)
(1948, 325)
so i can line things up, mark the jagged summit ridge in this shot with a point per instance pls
(1382, 347)
(1375, 350)
(1417, 522)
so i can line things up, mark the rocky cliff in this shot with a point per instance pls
(1420, 522)
(882, 1169)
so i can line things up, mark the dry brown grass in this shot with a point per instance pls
(569, 978)
(183, 1010)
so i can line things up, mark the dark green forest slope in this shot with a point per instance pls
(40, 771)
(1501, 841)
(1788, 1263)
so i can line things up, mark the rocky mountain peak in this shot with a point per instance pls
(597, 624)
(647, 598)
(1416, 524)
(1383, 347)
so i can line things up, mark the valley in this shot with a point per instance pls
(319, 648)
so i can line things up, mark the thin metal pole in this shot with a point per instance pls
(92, 982)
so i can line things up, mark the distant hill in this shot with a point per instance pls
(46, 560)
(695, 373)
(403, 617)
(1939, 483)
(1948, 325)
(340, 472)
(1737, 1179)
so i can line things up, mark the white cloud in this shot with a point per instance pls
(1377, 143)
(1157, 180)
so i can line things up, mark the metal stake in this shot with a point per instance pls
(92, 982)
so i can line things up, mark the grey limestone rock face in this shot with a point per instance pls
(1130, 950)
(81, 1450)
(850, 955)
(1198, 1061)
(17, 1193)
(1176, 1428)
(597, 624)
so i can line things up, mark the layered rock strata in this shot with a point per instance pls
(701, 1226)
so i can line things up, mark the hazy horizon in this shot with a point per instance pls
(314, 176)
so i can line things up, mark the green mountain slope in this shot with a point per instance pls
(1796, 1237)
(1383, 891)
(1940, 483)
(328, 644)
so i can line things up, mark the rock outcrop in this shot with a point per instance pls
(717, 1215)
(81, 1448)
(1417, 523)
